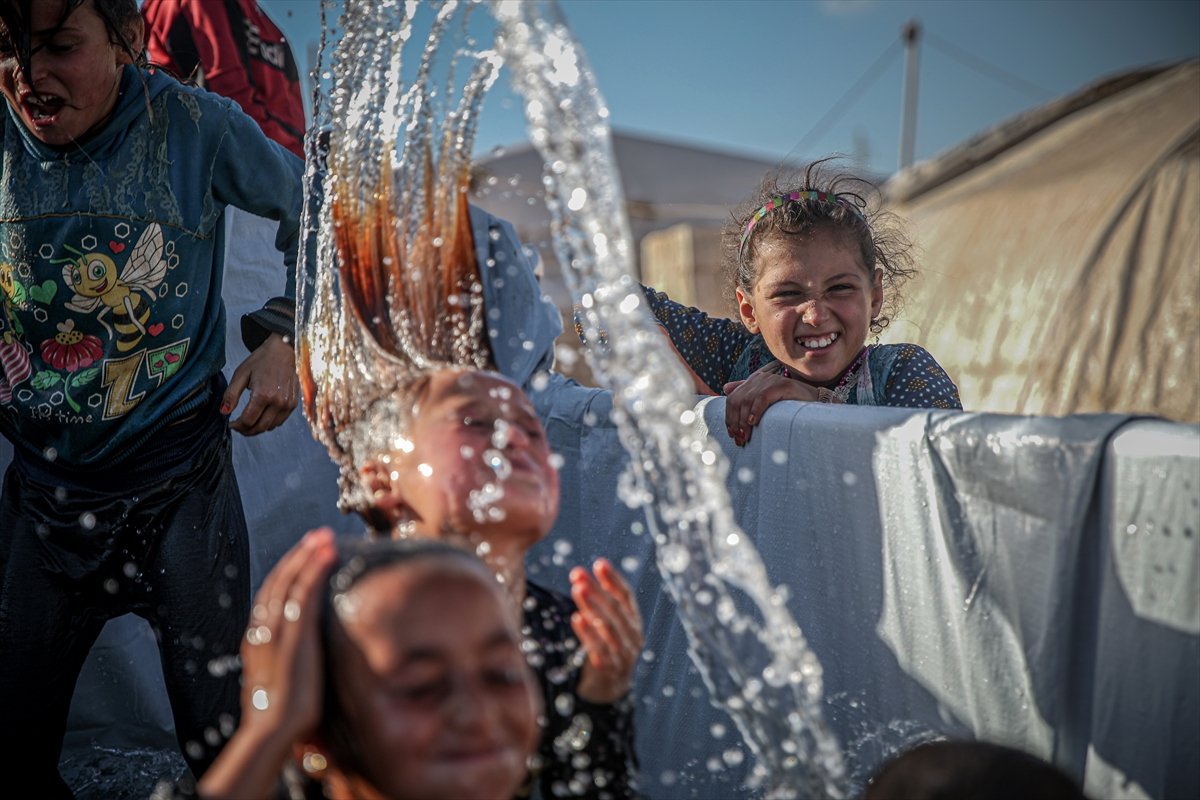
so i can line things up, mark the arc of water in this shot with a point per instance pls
(766, 677)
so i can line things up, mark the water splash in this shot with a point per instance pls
(757, 663)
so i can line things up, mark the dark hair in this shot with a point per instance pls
(969, 771)
(356, 560)
(881, 243)
(16, 18)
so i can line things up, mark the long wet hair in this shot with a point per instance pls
(396, 292)
(833, 201)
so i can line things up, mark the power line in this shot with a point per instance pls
(988, 69)
(848, 97)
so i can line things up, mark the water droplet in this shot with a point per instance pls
(675, 558)
(849, 478)
(111, 586)
(87, 520)
(732, 756)
(780, 457)
(498, 464)
(630, 564)
(717, 730)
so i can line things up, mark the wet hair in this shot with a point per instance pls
(969, 771)
(855, 214)
(120, 16)
(356, 560)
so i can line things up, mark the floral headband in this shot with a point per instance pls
(828, 198)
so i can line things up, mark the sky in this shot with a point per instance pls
(774, 78)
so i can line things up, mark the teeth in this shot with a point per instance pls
(824, 341)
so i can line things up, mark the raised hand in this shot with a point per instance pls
(609, 627)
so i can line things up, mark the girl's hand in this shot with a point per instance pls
(270, 374)
(281, 675)
(281, 653)
(609, 627)
(746, 401)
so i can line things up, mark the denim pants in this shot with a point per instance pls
(161, 535)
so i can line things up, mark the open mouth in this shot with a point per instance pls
(817, 342)
(43, 109)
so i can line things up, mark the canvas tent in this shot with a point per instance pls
(1060, 253)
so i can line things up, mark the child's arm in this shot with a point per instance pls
(258, 175)
(609, 627)
(917, 380)
(746, 401)
(281, 674)
(708, 346)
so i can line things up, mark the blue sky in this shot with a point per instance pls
(756, 76)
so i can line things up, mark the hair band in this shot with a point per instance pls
(828, 198)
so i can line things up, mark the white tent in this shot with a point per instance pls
(1060, 253)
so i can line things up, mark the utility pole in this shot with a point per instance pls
(911, 33)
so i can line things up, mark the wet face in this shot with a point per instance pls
(76, 74)
(813, 303)
(433, 682)
(479, 462)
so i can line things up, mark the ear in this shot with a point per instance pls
(745, 305)
(876, 293)
(385, 493)
(135, 35)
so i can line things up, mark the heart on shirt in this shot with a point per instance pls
(155, 329)
(44, 292)
(116, 247)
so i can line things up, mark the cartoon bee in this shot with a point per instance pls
(93, 277)
(12, 294)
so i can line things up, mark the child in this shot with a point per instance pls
(402, 676)
(970, 770)
(810, 272)
(460, 455)
(121, 496)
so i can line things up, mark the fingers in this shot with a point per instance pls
(237, 384)
(609, 624)
(300, 567)
(281, 660)
(268, 408)
(749, 400)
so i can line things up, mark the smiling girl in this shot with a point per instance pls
(812, 273)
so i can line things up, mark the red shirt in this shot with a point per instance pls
(231, 47)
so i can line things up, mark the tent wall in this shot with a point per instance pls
(1062, 274)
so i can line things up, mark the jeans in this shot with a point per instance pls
(162, 535)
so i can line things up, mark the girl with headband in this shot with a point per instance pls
(389, 670)
(813, 274)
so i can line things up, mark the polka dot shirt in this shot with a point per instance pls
(714, 346)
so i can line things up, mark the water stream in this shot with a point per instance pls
(751, 653)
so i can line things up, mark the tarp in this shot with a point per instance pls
(1033, 581)
(1060, 253)
(1028, 580)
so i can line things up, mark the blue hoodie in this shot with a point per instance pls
(111, 259)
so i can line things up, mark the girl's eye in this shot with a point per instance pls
(428, 692)
(504, 677)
